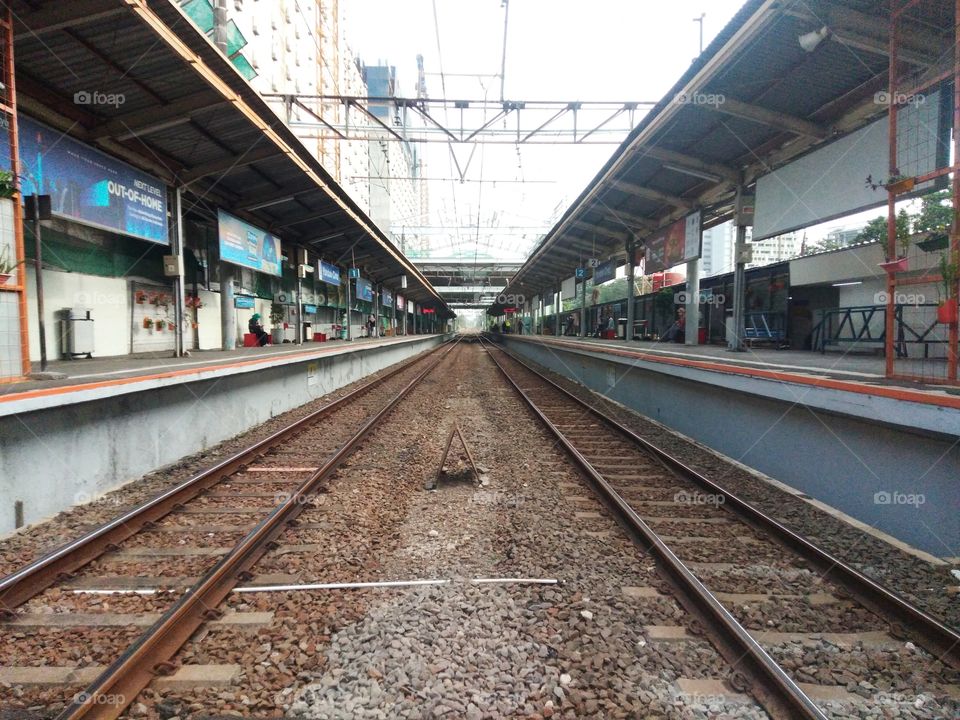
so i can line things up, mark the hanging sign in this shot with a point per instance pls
(386, 298)
(604, 271)
(328, 273)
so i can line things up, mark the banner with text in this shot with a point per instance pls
(88, 186)
(328, 273)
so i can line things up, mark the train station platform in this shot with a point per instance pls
(100, 377)
(113, 420)
(849, 372)
(830, 428)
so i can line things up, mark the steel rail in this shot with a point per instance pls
(933, 635)
(150, 655)
(33, 578)
(773, 688)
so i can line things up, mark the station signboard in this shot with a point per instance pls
(247, 245)
(604, 272)
(88, 186)
(328, 273)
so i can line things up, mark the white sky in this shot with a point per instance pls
(613, 50)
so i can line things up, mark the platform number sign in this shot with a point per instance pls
(581, 273)
(593, 262)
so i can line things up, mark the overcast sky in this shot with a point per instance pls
(612, 50)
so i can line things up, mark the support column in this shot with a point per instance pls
(692, 329)
(179, 291)
(376, 310)
(228, 316)
(583, 307)
(557, 304)
(349, 312)
(541, 314)
(735, 342)
(630, 247)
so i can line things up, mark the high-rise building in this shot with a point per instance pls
(296, 48)
(395, 170)
(719, 243)
(776, 249)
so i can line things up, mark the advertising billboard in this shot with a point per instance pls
(247, 245)
(400, 302)
(677, 243)
(364, 290)
(386, 298)
(88, 186)
(328, 273)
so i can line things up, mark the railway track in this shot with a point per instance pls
(168, 563)
(801, 629)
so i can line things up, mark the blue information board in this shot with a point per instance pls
(329, 274)
(88, 186)
(604, 272)
(244, 244)
(244, 302)
(364, 290)
(386, 298)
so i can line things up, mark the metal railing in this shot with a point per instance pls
(866, 324)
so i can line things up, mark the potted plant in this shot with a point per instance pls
(7, 266)
(901, 262)
(276, 320)
(8, 184)
(949, 272)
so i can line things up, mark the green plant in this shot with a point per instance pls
(8, 184)
(7, 266)
(276, 313)
(949, 275)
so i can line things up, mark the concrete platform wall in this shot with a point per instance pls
(52, 459)
(886, 474)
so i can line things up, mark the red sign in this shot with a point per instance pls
(509, 310)
(428, 311)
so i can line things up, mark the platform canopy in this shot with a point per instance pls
(754, 100)
(190, 117)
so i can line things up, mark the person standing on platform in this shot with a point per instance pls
(569, 330)
(256, 328)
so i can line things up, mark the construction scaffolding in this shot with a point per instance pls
(903, 90)
(14, 342)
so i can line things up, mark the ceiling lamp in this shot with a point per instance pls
(811, 41)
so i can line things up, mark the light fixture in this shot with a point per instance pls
(811, 41)
(702, 174)
(845, 284)
(268, 203)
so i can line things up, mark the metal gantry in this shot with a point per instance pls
(553, 122)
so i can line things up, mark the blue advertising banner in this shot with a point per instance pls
(364, 290)
(386, 298)
(329, 274)
(247, 245)
(89, 186)
(243, 301)
(604, 271)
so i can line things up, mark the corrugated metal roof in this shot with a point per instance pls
(757, 61)
(188, 116)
